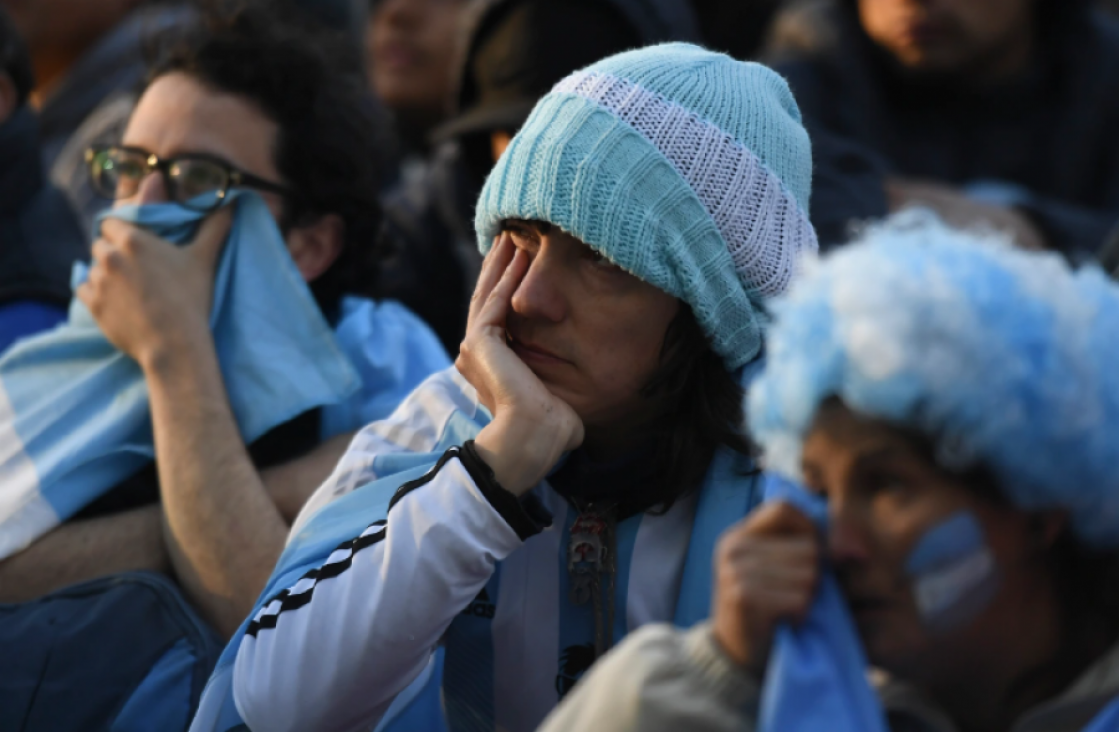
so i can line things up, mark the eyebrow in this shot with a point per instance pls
(527, 226)
(878, 453)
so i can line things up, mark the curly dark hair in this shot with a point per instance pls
(309, 80)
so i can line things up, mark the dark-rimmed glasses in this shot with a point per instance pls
(196, 181)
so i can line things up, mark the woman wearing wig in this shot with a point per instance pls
(956, 404)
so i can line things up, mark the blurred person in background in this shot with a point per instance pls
(736, 27)
(1109, 253)
(972, 505)
(509, 54)
(39, 234)
(411, 47)
(252, 101)
(88, 59)
(989, 111)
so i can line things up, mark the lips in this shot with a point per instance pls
(533, 353)
(397, 56)
(924, 31)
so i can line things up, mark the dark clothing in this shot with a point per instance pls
(433, 257)
(1044, 142)
(622, 484)
(1109, 254)
(39, 235)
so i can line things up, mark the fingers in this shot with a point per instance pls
(106, 259)
(767, 568)
(785, 569)
(493, 267)
(777, 519)
(496, 306)
(128, 237)
(210, 240)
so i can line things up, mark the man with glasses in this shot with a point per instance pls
(249, 103)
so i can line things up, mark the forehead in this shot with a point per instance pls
(178, 114)
(839, 435)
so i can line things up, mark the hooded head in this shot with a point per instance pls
(684, 167)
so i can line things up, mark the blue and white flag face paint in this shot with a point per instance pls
(953, 573)
(74, 418)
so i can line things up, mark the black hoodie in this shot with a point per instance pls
(1053, 131)
(39, 235)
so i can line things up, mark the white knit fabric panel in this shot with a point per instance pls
(750, 206)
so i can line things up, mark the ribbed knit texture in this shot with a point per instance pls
(685, 167)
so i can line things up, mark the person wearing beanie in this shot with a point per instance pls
(511, 53)
(955, 402)
(565, 483)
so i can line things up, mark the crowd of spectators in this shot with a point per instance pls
(418, 351)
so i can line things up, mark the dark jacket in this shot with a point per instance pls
(1050, 133)
(39, 235)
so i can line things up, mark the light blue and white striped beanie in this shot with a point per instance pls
(684, 167)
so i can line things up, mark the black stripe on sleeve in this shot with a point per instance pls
(288, 601)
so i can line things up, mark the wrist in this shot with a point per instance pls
(175, 350)
(736, 650)
(518, 452)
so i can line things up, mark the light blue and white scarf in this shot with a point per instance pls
(74, 417)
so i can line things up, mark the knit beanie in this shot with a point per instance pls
(684, 167)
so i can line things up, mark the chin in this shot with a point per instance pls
(887, 646)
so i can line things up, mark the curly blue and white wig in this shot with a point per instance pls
(1004, 359)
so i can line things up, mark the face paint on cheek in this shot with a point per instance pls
(953, 573)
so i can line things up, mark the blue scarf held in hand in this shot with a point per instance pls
(816, 677)
(74, 417)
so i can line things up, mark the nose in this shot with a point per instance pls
(847, 536)
(151, 189)
(540, 295)
(396, 12)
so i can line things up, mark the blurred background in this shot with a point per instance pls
(993, 112)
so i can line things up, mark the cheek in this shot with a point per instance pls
(623, 358)
(617, 358)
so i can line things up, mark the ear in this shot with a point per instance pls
(9, 97)
(316, 246)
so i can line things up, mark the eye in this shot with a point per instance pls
(520, 235)
(885, 483)
(600, 261)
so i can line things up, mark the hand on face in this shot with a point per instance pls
(532, 427)
(766, 568)
(149, 296)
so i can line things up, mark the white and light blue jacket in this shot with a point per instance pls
(385, 593)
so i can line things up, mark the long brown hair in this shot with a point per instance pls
(704, 413)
